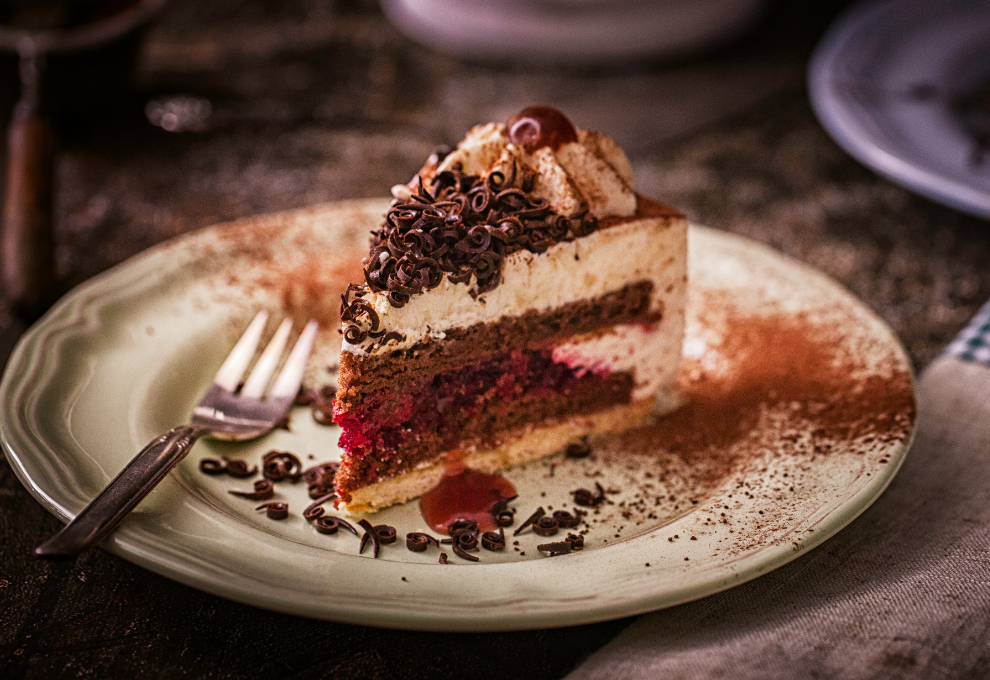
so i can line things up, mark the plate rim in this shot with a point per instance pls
(136, 546)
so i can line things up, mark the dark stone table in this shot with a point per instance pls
(313, 102)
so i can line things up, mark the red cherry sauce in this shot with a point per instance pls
(538, 126)
(464, 493)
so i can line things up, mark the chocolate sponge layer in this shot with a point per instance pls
(364, 374)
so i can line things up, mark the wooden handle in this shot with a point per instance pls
(28, 245)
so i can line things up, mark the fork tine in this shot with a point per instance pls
(288, 381)
(262, 372)
(237, 361)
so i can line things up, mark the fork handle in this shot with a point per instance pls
(127, 489)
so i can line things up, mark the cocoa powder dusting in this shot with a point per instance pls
(776, 361)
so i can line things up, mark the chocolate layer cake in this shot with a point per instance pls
(518, 297)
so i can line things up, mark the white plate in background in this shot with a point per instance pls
(883, 82)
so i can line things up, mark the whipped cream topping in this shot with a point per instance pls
(590, 174)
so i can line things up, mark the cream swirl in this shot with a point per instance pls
(590, 174)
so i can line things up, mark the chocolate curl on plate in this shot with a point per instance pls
(281, 465)
(463, 537)
(233, 467)
(546, 526)
(379, 535)
(588, 498)
(491, 540)
(239, 468)
(530, 520)
(502, 514)
(263, 490)
(315, 509)
(567, 520)
(417, 541)
(275, 510)
(325, 524)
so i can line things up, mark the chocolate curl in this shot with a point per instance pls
(239, 468)
(281, 465)
(566, 519)
(493, 541)
(503, 515)
(233, 467)
(589, 499)
(276, 510)
(546, 526)
(417, 541)
(315, 509)
(552, 549)
(263, 490)
(369, 535)
(325, 524)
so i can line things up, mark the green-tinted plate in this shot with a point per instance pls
(124, 357)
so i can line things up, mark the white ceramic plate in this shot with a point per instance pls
(883, 81)
(125, 356)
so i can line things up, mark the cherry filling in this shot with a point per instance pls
(473, 404)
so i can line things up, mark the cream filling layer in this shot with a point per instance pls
(649, 249)
(650, 352)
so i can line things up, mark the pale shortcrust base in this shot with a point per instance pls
(532, 443)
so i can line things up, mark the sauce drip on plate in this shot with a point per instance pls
(464, 493)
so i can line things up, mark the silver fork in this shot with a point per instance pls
(224, 412)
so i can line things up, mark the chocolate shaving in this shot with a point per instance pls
(386, 534)
(417, 541)
(493, 541)
(211, 466)
(320, 479)
(281, 465)
(588, 498)
(315, 509)
(325, 524)
(546, 526)
(503, 515)
(463, 537)
(275, 510)
(443, 558)
(233, 467)
(530, 520)
(462, 228)
(370, 534)
(566, 520)
(578, 449)
(464, 541)
(459, 525)
(576, 541)
(239, 468)
(552, 549)
(263, 489)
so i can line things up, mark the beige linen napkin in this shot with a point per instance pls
(903, 592)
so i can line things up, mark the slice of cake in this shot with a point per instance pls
(518, 297)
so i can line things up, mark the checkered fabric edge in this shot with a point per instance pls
(973, 343)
